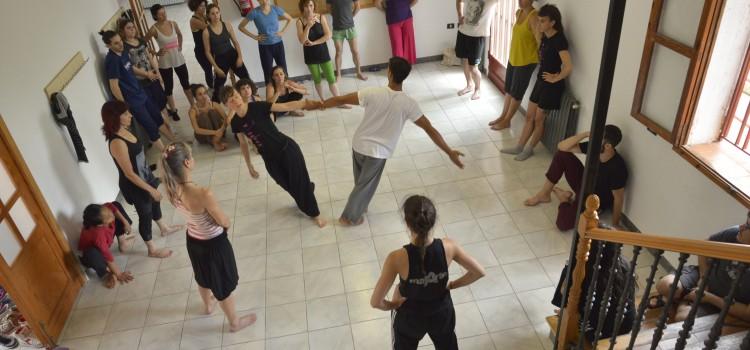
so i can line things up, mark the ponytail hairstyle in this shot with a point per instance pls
(553, 13)
(173, 168)
(92, 216)
(420, 215)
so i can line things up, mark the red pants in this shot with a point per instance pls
(566, 163)
(402, 39)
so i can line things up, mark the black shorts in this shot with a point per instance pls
(470, 47)
(547, 95)
(517, 80)
(214, 265)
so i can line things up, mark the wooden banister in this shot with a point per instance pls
(570, 319)
(718, 250)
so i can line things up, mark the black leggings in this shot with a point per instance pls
(200, 56)
(289, 171)
(226, 61)
(182, 74)
(410, 327)
(148, 210)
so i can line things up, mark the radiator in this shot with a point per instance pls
(561, 124)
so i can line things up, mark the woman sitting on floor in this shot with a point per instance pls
(282, 90)
(101, 224)
(208, 119)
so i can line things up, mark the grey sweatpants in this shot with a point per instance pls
(367, 171)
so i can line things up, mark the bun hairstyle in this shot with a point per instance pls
(173, 168)
(107, 36)
(155, 10)
(420, 216)
(92, 216)
(553, 13)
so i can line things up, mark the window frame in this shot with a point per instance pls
(734, 103)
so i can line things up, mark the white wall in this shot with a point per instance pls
(665, 194)
(430, 20)
(38, 39)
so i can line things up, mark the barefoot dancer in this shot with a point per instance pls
(137, 183)
(282, 156)
(208, 119)
(524, 56)
(610, 182)
(474, 20)
(343, 12)
(387, 109)
(554, 66)
(209, 249)
(101, 224)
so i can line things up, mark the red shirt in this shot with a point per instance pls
(99, 237)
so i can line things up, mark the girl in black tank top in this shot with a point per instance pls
(421, 303)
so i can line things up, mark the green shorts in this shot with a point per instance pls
(348, 34)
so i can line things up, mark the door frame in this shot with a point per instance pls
(23, 301)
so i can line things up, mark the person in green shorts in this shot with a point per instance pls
(343, 12)
(313, 32)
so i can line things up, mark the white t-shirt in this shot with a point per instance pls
(478, 16)
(386, 112)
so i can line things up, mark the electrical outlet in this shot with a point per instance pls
(451, 25)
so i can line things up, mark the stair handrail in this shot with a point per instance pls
(588, 230)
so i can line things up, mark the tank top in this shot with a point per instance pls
(171, 44)
(523, 46)
(220, 43)
(426, 292)
(198, 39)
(200, 226)
(316, 54)
(137, 157)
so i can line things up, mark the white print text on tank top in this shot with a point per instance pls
(430, 278)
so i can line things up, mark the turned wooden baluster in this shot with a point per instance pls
(570, 320)
(590, 293)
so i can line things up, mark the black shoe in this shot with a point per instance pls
(173, 114)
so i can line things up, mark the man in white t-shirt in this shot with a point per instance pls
(474, 21)
(387, 109)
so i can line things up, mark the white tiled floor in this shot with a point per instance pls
(310, 287)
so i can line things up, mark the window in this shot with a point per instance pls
(737, 124)
(692, 88)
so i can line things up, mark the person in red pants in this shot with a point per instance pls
(610, 182)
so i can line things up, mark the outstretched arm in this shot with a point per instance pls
(293, 106)
(348, 99)
(435, 136)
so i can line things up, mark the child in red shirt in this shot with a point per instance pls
(101, 223)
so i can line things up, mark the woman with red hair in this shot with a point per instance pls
(137, 183)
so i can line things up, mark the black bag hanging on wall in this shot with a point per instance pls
(63, 115)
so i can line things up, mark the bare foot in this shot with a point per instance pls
(160, 253)
(168, 230)
(320, 221)
(219, 147)
(361, 76)
(500, 126)
(538, 198)
(562, 195)
(465, 90)
(346, 222)
(495, 121)
(243, 322)
(210, 306)
(254, 173)
(109, 281)
(476, 95)
(125, 242)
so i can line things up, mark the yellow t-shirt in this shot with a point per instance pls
(524, 49)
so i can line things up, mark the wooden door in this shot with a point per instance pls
(37, 266)
(499, 50)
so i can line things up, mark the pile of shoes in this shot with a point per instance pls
(13, 326)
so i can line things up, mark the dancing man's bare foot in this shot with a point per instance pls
(501, 125)
(243, 322)
(536, 199)
(495, 121)
(346, 222)
(476, 95)
(361, 76)
(465, 90)
(160, 253)
(562, 195)
(168, 230)
(210, 306)
(320, 221)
